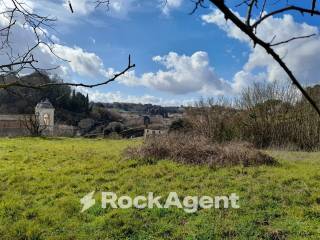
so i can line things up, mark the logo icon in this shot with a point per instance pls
(87, 201)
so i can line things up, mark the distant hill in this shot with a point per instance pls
(147, 109)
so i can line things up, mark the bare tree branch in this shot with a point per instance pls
(248, 30)
(314, 3)
(33, 124)
(16, 11)
(292, 39)
(21, 84)
(70, 6)
(197, 5)
(102, 2)
(286, 9)
(249, 12)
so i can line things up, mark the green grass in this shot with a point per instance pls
(42, 181)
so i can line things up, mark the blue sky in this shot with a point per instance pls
(179, 57)
(146, 33)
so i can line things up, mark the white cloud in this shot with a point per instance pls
(217, 18)
(98, 96)
(80, 62)
(183, 74)
(243, 79)
(302, 56)
(118, 8)
(168, 5)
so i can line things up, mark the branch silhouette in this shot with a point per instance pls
(249, 30)
(17, 11)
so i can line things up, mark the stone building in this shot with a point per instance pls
(44, 112)
(152, 133)
(43, 119)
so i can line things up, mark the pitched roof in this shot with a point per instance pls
(45, 104)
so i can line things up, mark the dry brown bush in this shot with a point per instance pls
(198, 150)
(268, 115)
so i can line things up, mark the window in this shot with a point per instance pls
(46, 119)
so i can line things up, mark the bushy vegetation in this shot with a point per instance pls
(197, 149)
(42, 180)
(181, 125)
(266, 115)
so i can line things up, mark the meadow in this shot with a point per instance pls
(43, 180)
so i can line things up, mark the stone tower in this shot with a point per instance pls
(44, 112)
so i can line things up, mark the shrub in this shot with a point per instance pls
(114, 127)
(180, 125)
(193, 149)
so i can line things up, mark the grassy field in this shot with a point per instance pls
(42, 181)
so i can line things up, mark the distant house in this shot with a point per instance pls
(152, 133)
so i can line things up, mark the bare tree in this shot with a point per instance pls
(249, 27)
(17, 13)
(33, 124)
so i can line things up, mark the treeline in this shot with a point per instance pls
(266, 115)
(71, 106)
(149, 109)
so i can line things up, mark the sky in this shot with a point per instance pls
(179, 57)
